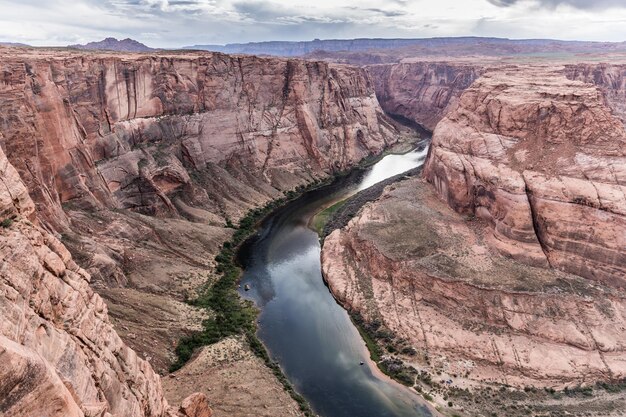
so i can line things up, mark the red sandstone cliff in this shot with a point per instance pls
(526, 286)
(543, 159)
(125, 132)
(422, 91)
(103, 145)
(59, 354)
(427, 274)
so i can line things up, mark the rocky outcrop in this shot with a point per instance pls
(196, 405)
(59, 354)
(235, 380)
(532, 160)
(422, 91)
(542, 158)
(609, 78)
(429, 280)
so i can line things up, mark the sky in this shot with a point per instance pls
(175, 23)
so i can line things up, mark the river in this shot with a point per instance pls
(301, 324)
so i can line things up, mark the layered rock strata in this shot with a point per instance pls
(523, 285)
(130, 132)
(422, 91)
(59, 354)
(543, 159)
(430, 278)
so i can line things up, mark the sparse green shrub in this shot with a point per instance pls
(231, 314)
(6, 223)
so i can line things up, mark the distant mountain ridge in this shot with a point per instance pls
(112, 44)
(297, 48)
(15, 44)
(434, 46)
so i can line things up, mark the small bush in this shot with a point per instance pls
(6, 223)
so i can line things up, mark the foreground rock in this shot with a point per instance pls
(236, 382)
(196, 405)
(59, 354)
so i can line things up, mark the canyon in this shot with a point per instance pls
(504, 261)
(502, 264)
(138, 165)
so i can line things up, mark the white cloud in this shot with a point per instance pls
(171, 23)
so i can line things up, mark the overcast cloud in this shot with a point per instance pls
(173, 23)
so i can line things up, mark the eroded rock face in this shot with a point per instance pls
(136, 162)
(533, 161)
(59, 353)
(127, 132)
(609, 78)
(422, 91)
(543, 159)
(430, 277)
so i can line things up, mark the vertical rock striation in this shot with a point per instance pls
(126, 132)
(543, 159)
(422, 91)
(59, 355)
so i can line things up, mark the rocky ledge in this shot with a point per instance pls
(430, 276)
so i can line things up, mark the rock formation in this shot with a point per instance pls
(524, 284)
(422, 91)
(129, 132)
(543, 159)
(609, 78)
(196, 405)
(59, 354)
(136, 163)
(428, 275)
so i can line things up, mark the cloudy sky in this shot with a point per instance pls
(172, 23)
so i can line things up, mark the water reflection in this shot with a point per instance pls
(392, 165)
(303, 327)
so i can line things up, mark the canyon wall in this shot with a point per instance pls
(59, 354)
(136, 164)
(523, 284)
(426, 278)
(422, 91)
(609, 78)
(543, 159)
(126, 132)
